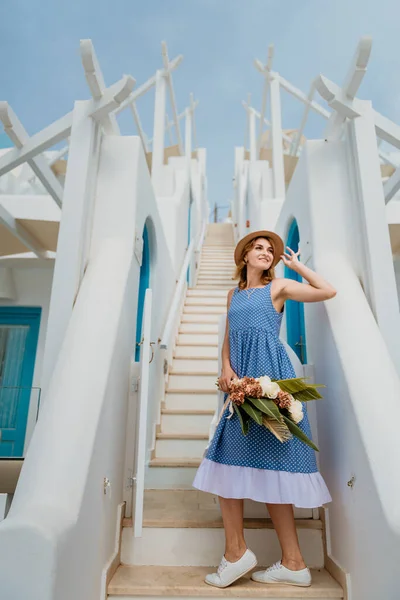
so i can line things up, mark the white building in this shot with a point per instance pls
(112, 288)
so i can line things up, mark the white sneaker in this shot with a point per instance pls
(228, 572)
(277, 573)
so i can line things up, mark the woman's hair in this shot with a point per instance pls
(241, 269)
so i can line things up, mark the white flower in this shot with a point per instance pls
(269, 388)
(296, 411)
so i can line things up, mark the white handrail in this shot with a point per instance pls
(201, 237)
(166, 338)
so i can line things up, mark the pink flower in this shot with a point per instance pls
(237, 397)
(283, 399)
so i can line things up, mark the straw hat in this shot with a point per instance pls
(274, 237)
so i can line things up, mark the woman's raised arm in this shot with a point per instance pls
(315, 291)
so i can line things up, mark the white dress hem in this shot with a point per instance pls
(303, 490)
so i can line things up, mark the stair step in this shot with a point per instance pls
(197, 352)
(175, 462)
(218, 286)
(197, 308)
(195, 293)
(198, 319)
(191, 365)
(184, 582)
(203, 546)
(198, 338)
(190, 399)
(191, 382)
(203, 506)
(215, 301)
(198, 328)
(180, 445)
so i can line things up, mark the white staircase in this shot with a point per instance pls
(182, 528)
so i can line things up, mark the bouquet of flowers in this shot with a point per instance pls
(276, 404)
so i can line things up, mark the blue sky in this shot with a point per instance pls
(41, 75)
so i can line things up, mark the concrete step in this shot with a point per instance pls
(198, 319)
(214, 301)
(193, 508)
(198, 352)
(185, 398)
(204, 546)
(202, 309)
(190, 421)
(196, 339)
(187, 381)
(171, 473)
(195, 293)
(180, 445)
(191, 365)
(198, 328)
(185, 582)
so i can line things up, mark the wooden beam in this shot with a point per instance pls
(18, 135)
(95, 80)
(172, 95)
(145, 87)
(392, 185)
(37, 143)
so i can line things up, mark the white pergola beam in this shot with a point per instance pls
(36, 144)
(181, 116)
(18, 135)
(145, 87)
(267, 123)
(392, 185)
(61, 129)
(112, 98)
(192, 108)
(21, 233)
(93, 74)
(294, 91)
(138, 124)
(387, 130)
(170, 86)
(95, 81)
(266, 70)
(358, 67)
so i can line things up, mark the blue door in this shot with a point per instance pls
(144, 283)
(19, 332)
(296, 331)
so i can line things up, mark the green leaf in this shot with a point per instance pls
(267, 407)
(300, 389)
(253, 413)
(243, 418)
(299, 433)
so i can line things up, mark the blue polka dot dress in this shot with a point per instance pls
(258, 466)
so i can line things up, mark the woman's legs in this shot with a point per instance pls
(232, 516)
(282, 516)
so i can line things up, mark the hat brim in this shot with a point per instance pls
(276, 241)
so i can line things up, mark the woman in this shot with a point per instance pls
(258, 466)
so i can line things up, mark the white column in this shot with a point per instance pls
(277, 142)
(72, 235)
(380, 285)
(159, 126)
(252, 134)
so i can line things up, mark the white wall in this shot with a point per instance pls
(60, 509)
(346, 347)
(33, 288)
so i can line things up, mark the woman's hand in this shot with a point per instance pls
(224, 380)
(290, 259)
